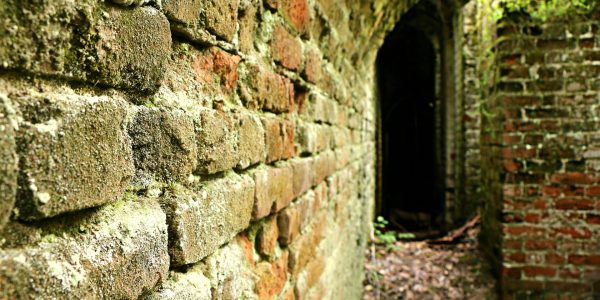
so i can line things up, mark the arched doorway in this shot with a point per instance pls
(412, 123)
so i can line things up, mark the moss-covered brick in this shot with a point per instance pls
(86, 41)
(116, 252)
(74, 153)
(207, 216)
(8, 159)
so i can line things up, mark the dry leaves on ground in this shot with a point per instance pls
(416, 270)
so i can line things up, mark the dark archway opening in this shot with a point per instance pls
(412, 187)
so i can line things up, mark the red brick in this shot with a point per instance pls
(551, 191)
(593, 191)
(244, 242)
(286, 49)
(274, 190)
(554, 259)
(540, 244)
(514, 273)
(512, 244)
(532, 218)
(511, 166)
(569, 273)
(533, 271)
(215, 61)
(574, 204)
(584, 259)
(509, 152)
(524, 231)
(576, 233)
(571, 178)
(592, 219)
(296, 13)
(517, 257)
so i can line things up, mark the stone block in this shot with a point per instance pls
(204, 218)
(8, 159)
(217, 140)
(116, 252)
(286, 49)
(164, 145)
(252, 147)
(74, 153)
(86, 41)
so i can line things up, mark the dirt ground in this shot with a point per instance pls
(417, 270)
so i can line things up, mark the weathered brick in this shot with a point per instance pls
(288, 222)
(247, 19)
(288, 129)
(267, 237)
(271, 277)
(274, 190)
(305, 246)
(184, 11)
(324, 165)
(75, 153)
(204, 218)
(286, 49)
(215, 67)
(234, 278)
(8, 159)
(164, 145)
(125, 48)
(118, 252)
(192, 19)
(306, 138)
(252, 147)
(294, 11)
(217, 140)
(267, 90)
(312, 69)
(274, 138)
(189, 285)
(303, 174)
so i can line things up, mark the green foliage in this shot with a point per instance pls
(387, 237)
(542, 10)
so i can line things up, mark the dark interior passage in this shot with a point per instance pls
(406, 73)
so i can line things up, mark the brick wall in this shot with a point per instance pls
(539, 156)
(200, 149)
